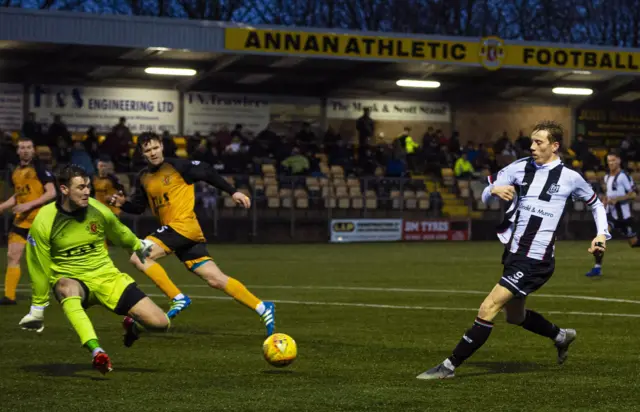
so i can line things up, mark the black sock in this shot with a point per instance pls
(599, 257)
(471, 341)
(536, 323)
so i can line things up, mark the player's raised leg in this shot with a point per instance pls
(159, 276)
(144, 316)
(211, 273)
(518, 314)
(12, 276)
(474, 337)
(71, 295)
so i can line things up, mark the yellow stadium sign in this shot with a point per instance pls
(489, 52)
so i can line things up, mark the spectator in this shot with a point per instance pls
(58, 130)
(62, 151)
(365, 127)
(80, 157)
(463, 168)
(268, 136)
(193, 142)
(471, 151)
(92, 144)
(580, 148)
(296, 164)
(305, 138)
(454, 143)
(8, 154)
(628, 150)
(32, 129)
(523, 145)
(223, 138)
(169, 147)
(237, 133)
(482, 160)
(447, 159)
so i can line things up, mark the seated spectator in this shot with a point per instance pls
(92, 144)
(80, 157)
(471, 151)
(297, 164)
(169, 147)
(193, 142)
(463, 168)
(62, 151)
(306, 139)
(523, 145)
(482, 160)
(580, 148)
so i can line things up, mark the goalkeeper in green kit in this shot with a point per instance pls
(66, 253)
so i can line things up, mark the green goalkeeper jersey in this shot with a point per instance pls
(63, 244)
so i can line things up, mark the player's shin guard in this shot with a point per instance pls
(240, 293)
(72, 307)
(11, 279)
(536, 323)
(471, 341)
(159, 276)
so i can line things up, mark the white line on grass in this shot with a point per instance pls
(407, 307)
(410, 290)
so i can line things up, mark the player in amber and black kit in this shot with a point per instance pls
(167, 186)
(33, 185)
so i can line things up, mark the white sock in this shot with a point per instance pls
(96, 351)
(597, 266)
(260, 308)
(447, 364)
(178, 296)
(562, 335)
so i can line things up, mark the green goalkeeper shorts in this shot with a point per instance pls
(117, 292)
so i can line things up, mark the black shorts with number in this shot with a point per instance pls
(523, 275)
(190, 252)
(624, 226)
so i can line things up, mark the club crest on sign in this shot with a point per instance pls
(492, 52)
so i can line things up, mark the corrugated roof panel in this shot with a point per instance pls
(100, 30)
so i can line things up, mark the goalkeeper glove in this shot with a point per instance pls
(34, 320)
(145, 249)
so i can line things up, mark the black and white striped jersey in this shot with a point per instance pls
(543, 192)
(619, 185)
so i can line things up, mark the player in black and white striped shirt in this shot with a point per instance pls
(544, 185)
(620, 190)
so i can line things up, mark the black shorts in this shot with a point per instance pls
(625, 226)
(190, 252)
(523, 275)
(129, 298)
(18, 234)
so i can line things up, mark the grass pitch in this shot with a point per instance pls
(367, 318)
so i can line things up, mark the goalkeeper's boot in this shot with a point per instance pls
(563, 347)
(130, 332)
(269, 317)
(595, 271)
(102, 363)
(438, 372)
(178, 305)
(5, 301)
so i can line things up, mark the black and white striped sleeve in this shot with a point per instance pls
(583, 191)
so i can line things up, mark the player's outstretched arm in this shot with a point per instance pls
(584, 191)
(121, 235)
(136, 204)
(8, 204)
(196, 171)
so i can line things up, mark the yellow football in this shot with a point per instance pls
(280, 350)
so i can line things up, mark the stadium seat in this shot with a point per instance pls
(480, 205)
(353, 182)
(339, 182)
(271, 191)
(590, 176)
(324, 169)
(302, 202)
(330, 202)
(371, 200)
(337, 171)
(343, 197)
(600, 175)
(182, 153)
(268, 169)
(636, 206)
(578, 206)
(286, 198)
(447, 176)
(423, 200)
(410, 200)
(355, 191)
(270, 181)
(312, 181)
(229, 202)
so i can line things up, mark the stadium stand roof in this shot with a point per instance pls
(90, 49)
